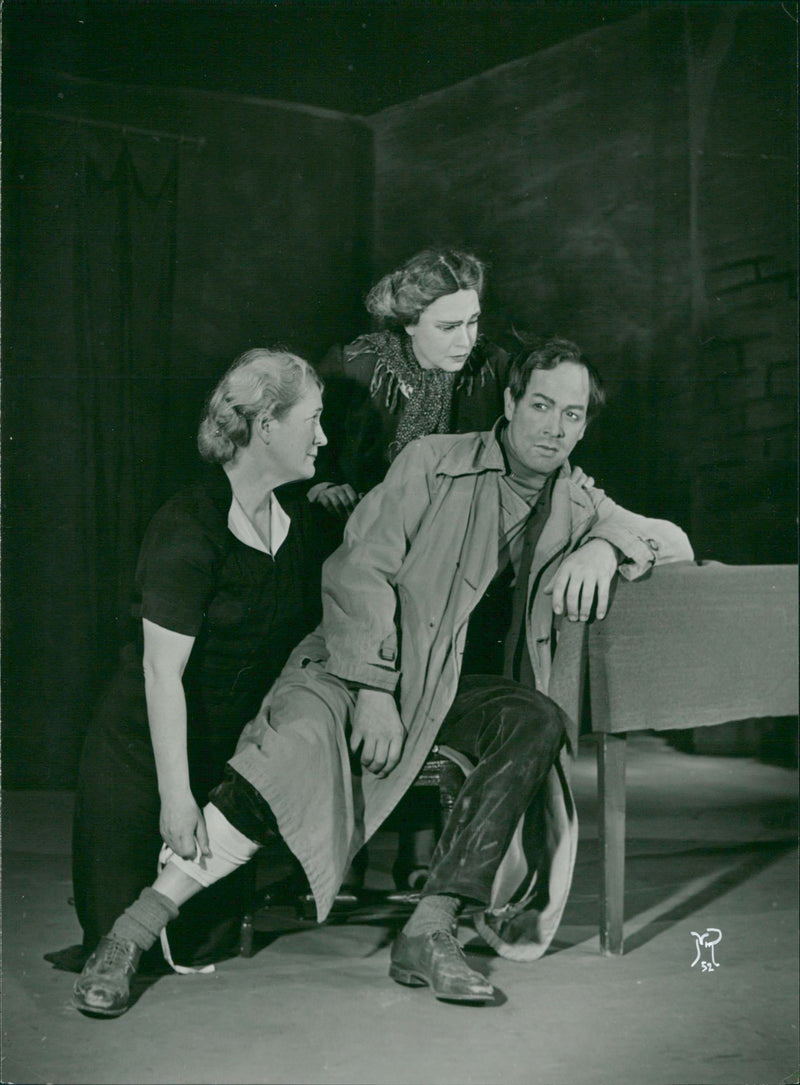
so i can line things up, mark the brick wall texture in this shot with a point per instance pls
(634, 189)
(745, 475)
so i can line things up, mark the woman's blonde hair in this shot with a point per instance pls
(401, 296)
(259, 381)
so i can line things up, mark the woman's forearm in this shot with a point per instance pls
(166, 711)
(166, 654)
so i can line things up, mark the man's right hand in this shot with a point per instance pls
(378, 730)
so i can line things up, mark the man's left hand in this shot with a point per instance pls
(585, 574)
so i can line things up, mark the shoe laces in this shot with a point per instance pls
(450, 943)
(115, 952)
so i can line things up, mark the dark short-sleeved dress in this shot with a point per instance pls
(247, 611)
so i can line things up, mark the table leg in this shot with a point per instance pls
(611, 792)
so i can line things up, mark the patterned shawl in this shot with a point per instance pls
(427, 393)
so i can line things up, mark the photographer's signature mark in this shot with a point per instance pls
(705, 943)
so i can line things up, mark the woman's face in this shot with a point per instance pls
(446, 331)
(295, 439)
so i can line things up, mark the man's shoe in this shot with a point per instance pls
(104, 986)
(438, 960)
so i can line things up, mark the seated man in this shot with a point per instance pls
(441, 610)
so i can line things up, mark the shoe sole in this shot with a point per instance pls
(92, 1011)
(414, 979)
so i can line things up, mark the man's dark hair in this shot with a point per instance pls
(547, 354)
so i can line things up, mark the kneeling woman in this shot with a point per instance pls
(227, 584)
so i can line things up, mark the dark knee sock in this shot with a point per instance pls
(144, 921)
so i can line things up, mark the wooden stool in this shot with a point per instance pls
(438, 772)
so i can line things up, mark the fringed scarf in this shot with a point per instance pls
(428, 393)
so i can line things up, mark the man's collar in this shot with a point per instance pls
(474, 457)
(486, 455)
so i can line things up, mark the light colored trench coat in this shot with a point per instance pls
(418, 554)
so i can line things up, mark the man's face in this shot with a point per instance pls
(550, 419)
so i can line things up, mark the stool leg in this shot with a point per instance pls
(246, 935)
(611, 787)
(246, 922)
(451, 780)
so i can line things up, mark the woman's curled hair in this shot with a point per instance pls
(259, 381)
(399, 298)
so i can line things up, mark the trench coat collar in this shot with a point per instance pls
(475, 457)
(486, 454)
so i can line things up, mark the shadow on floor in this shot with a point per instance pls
(664, 884)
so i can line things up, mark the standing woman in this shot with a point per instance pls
(227, 584)
(427, 371)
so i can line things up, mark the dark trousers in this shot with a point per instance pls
(513, 735)
(510, 732)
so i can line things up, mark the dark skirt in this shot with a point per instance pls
(116, 838)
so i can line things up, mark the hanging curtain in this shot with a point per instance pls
(124, 258)
(90, 242)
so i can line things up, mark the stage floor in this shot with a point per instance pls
(712, 843)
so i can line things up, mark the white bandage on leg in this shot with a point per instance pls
(229, 849)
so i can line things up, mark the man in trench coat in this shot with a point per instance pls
(441, 614)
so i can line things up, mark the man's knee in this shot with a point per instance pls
(304, 699)
(532, 723)
(244, 807)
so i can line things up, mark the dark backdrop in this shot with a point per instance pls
(632, 187)
(635, 189)
(149, 237)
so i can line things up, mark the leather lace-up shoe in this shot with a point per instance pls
(104, 985)
(438, 960)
